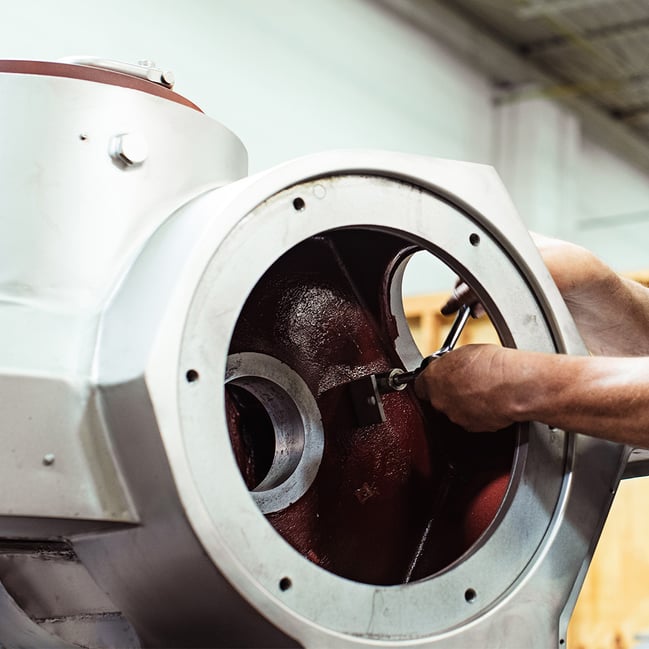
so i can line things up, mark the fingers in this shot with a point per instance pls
(421, 389)
(464, 386)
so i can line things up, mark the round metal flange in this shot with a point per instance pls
(296, 422)
(483, 575)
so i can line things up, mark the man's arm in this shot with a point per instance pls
(611, 312)
(486, 387)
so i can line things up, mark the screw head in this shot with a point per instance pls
(48, 459)
(131, 149)
(167, 78)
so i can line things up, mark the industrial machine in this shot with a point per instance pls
(184, 462)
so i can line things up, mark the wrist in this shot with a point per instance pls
(535, 382)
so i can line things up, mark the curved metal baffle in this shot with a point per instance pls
(269, 515)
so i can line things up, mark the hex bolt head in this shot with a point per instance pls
(130, 149)
(167, 78)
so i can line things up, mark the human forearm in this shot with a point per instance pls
(604, 397)
(612, 316)
(611, 312)
(486, 388)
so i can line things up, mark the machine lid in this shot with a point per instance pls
(89, 71)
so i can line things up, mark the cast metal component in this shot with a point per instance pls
(298, 438)
(366, 400)
(134, 306)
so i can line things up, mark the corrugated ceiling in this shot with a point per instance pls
(596, 49)
(591, 54)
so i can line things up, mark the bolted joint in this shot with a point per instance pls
(130, 149)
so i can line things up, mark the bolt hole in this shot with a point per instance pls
(83, 136)
(562, 641)
(191, 376)
(284, 584)
(299, 204)
(474, 239)
(470, 595)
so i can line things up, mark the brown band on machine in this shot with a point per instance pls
(87, 73)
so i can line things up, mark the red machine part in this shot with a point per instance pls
(392, 502)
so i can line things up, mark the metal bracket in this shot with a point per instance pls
(142, 69)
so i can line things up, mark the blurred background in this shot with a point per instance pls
(553, 93)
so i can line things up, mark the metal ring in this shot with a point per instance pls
(297, 424)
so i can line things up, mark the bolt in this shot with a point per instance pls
(48, 459)
(167, 78)
(129, 148)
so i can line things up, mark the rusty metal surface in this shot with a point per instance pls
(392, 502)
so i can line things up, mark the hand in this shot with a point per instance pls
(471, 386)
(487, 388)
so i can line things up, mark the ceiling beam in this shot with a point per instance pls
(625, 29)
(535, 8)
(505, 67)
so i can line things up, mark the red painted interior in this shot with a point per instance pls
(323, 309)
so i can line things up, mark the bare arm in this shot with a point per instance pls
(611, 312)
(485, 388)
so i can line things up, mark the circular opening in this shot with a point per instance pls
(423, 486)
(470, 595)
(284, 584)
(271, 429)
(474, 239)
(299, 204)
(275, 429)
(191, 376)
(257, 435)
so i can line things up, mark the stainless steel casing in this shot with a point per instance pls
(119, 279)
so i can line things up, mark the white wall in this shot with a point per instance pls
(289, 77)
(292, 77)
(613, 202)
